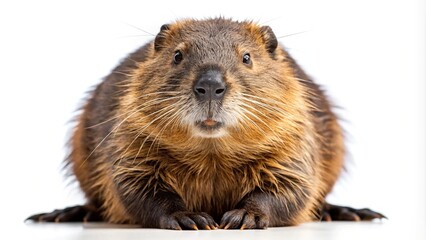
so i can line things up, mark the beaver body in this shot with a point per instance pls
(211, 122)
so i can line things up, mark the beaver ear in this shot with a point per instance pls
(269, 38)
(161, 37)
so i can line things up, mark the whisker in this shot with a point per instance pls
(135, 36)
(253, 122)
(159, 133)
(292, 34)
(266, 100)
(172, 107)
(122, 73)
(131, 59)
(262, 106)
(269, 21)
(116, 128)
(140, 108)
(140, 29)
(259, 119)
(254, 115)
(170, 120)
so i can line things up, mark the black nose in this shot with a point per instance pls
(210, 86)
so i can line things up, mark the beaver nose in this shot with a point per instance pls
(210, 86)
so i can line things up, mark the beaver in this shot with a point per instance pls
(210, 125)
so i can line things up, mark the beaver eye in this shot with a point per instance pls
(246, 58)
(178, 57)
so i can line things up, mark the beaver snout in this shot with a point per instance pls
(210, 86)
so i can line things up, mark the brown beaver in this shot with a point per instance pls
(212, 122)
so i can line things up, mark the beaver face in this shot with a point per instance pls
(217, 75)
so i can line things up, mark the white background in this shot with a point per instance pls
(369, 55)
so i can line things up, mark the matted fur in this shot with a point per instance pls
(137, 135)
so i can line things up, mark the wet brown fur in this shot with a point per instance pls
(131, 142)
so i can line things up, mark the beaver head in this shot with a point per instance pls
(214, 78)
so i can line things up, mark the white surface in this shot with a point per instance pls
(317, 231)
(370, 55)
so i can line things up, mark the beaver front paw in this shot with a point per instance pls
(244, 219)
(188, 221)
(77, 213)
(340, 213)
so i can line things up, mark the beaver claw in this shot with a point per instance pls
(244, 219)
(69, 214)
(339, 213)
(188, 221)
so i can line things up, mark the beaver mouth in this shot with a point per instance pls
(209, 124)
